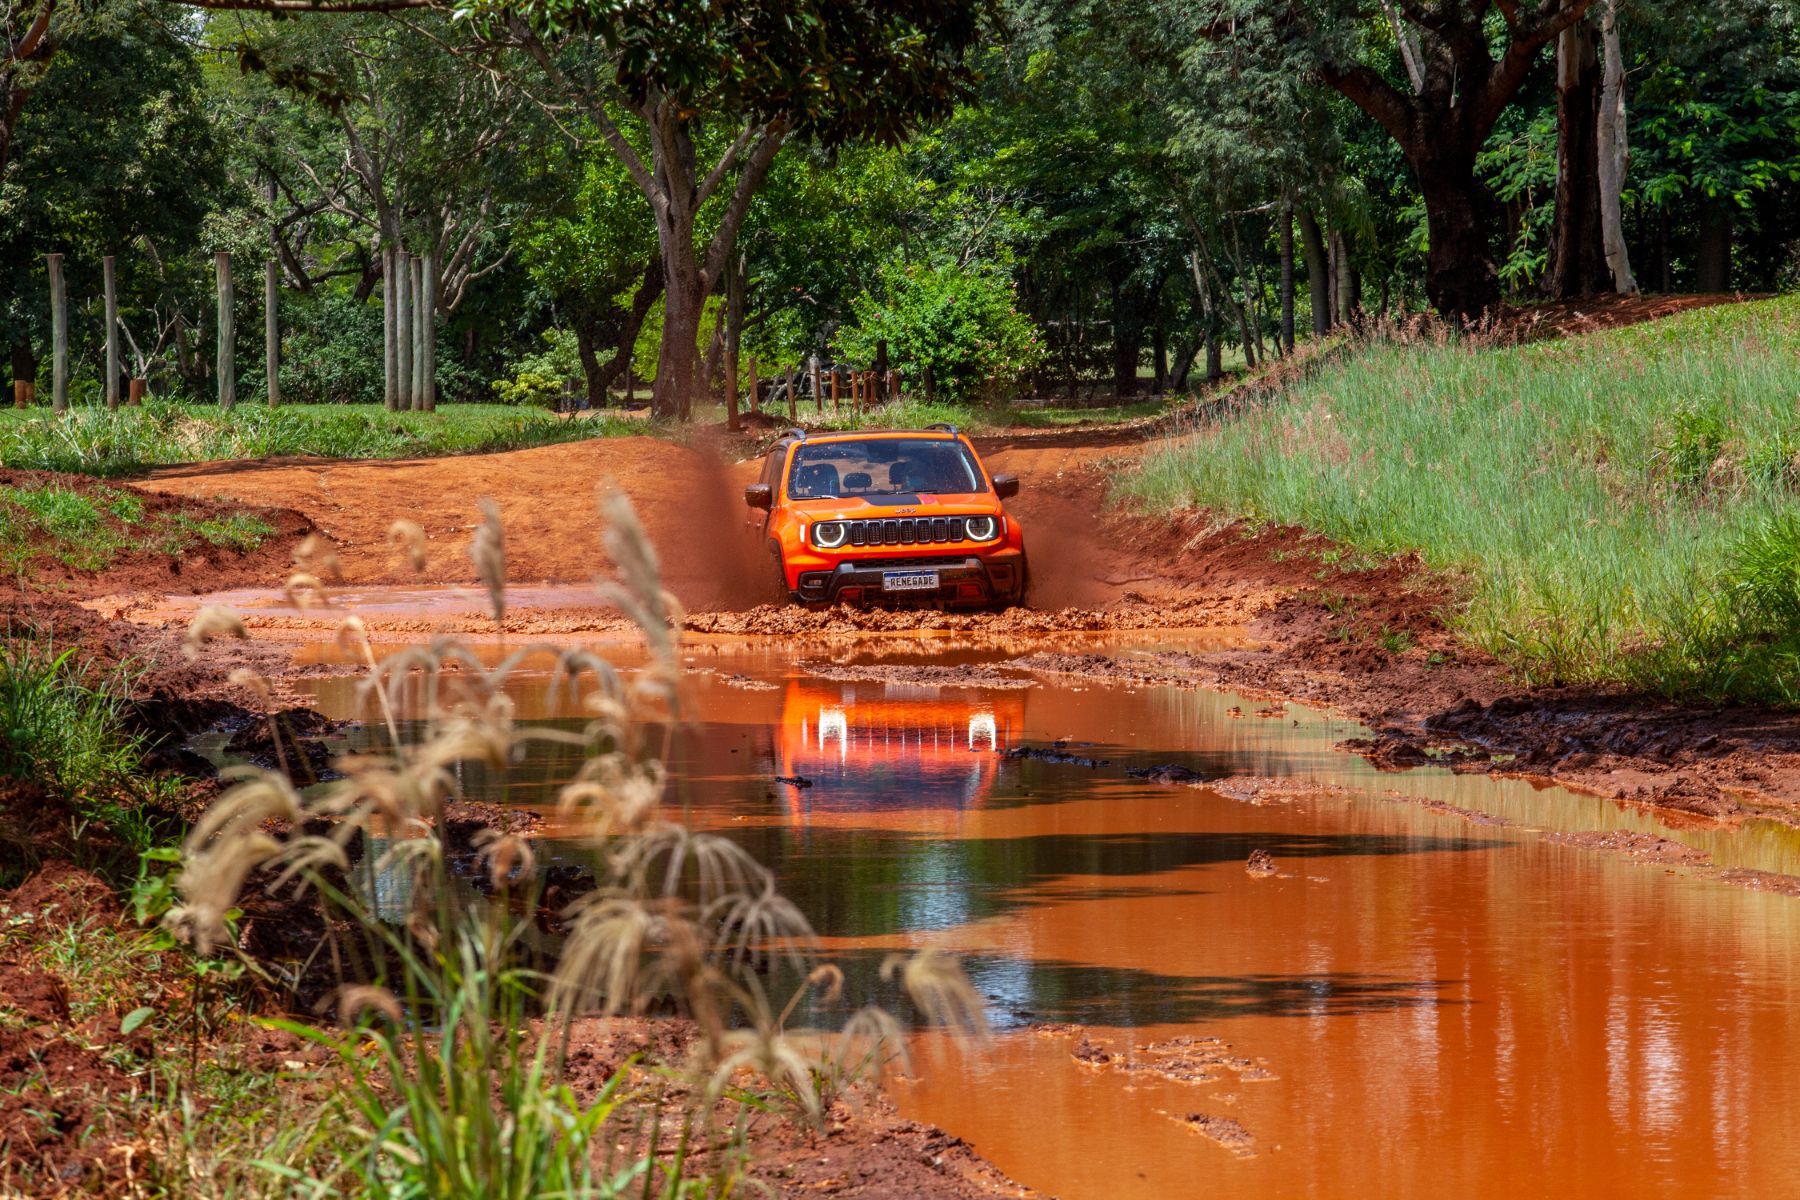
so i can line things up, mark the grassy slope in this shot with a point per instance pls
(88, 530)
(1597, 492)
(95, 442)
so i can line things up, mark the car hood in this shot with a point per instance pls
(937, 504)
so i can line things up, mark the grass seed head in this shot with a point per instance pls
(409, 539)
(488, 551)
(211, 621)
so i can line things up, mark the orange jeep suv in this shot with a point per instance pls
(907, 516)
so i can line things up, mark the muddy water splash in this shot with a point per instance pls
(1403, 1002)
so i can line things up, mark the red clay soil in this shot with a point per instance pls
(691, 506)
(64, 1100)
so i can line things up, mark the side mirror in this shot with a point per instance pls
(759, 495)
(1006, 486)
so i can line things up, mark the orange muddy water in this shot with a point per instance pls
(1406, 1002)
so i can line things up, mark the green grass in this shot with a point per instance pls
(93, 441)
(1597, 494)
(87, 530)
(62, 725)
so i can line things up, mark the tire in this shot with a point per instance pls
(783, 595)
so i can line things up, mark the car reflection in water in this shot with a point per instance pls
(890, 746)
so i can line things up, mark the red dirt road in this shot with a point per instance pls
(689, 500)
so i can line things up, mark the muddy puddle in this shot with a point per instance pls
(1414, 989)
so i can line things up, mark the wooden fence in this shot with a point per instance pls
(409, 334)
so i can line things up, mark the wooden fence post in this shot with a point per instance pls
(109, 273)
(227, 333)
(428, 331)
(390, 350)
(837, 407)
(793, 401)
(272, 331)
(415, 398)
(731, 388)
(135, 398)
(402, 330)
(817, 389)
(59, 335)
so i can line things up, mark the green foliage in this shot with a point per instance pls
(330, 352)
(62, 723)
(1598, 516)
(832, 72)
(1686, 453)
(546, 378)
(96, 442)
(957, 323)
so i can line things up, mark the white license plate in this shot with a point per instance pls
(909, 581)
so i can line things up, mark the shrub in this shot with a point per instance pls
(547, 377)
(959, 323)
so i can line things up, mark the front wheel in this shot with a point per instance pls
(1018, 600)
(782, 593)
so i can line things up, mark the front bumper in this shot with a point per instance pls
(973, 580)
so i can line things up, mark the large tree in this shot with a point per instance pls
(748, 77)
(1436, 76)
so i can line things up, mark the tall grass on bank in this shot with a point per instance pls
(63, 728)
(1601, 495)
(97, 442)
(452, 1036)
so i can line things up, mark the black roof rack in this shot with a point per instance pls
(946, 426)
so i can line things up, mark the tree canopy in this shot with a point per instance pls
(1159, 191)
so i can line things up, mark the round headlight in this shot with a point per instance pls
(982, 529)
(829, 535)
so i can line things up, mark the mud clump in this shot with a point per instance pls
(1260, 866)
(980, 675)
(289, 741)
(1226, 1131)
(1645, 847)
(1167, 773)
(1055, 754)
(798, 781)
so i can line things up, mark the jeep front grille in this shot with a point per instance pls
(905, 531)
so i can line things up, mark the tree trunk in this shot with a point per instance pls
(1577, 265)
(678, 353)
(428, 296)
(1159, 356)
(390, 338)
(226, 332)
(59, 335)
(1713, 260)
(416, 401)
(586, 329)
(272, 330)
(1460, 279)
(733, 323)
(1287, 278)
(403, 368)
(110, 275)
(1318, 279)
(1612, 151)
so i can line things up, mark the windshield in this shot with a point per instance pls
(898, 466)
